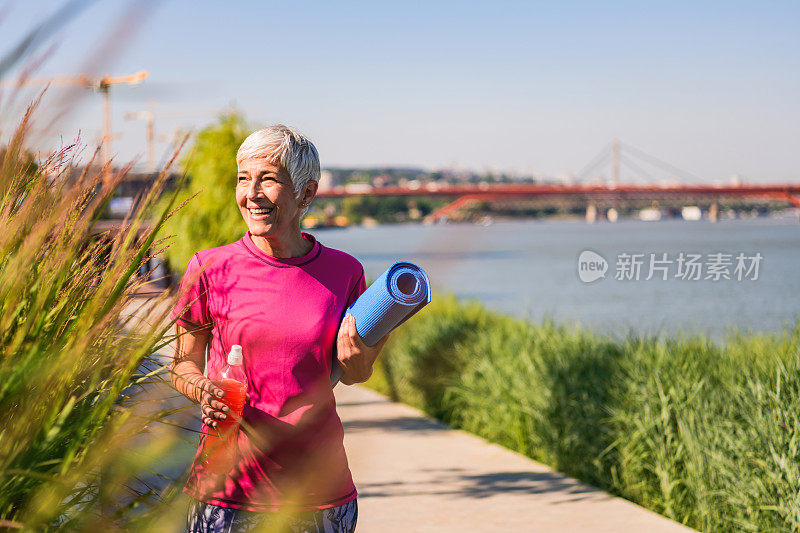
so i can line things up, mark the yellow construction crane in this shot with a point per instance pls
(102, 85)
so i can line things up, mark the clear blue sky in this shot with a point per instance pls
(712, 87)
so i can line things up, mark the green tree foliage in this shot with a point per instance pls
(211, 218)
(387, 209)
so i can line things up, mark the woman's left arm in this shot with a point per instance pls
(355, 357)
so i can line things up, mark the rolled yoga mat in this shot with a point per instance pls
(392, 299)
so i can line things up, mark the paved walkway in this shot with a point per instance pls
(415, 474)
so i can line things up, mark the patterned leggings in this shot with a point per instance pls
(207, 518)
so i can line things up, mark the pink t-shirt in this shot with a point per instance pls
(285, 313)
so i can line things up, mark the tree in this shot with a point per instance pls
(211, 218)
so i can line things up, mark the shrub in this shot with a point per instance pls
(704, 433)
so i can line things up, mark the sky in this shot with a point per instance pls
(527, 87)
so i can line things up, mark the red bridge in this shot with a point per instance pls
(589, 194)
(467, 194)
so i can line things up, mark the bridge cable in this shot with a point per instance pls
(601, 156)
(658, 163)
(636, 168)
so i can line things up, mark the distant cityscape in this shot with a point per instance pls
(361, 196)
(411, 177)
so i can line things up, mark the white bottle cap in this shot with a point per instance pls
(235, 357)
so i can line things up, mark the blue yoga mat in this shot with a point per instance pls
(392, 299)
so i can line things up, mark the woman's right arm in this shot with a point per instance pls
(187, 374)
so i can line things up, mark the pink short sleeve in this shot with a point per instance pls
(191, 309)
(357, 290)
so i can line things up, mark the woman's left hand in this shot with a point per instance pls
(356, 357)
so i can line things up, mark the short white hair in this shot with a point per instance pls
(287, 147)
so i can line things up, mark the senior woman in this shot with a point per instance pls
(282, 296)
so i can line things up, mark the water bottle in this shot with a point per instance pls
(220, 445)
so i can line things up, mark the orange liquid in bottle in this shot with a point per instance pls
(219, 448)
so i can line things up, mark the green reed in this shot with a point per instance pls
(71, 440)
(705, 433)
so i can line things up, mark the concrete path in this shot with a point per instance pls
(414, 474)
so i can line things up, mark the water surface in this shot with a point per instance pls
(529, 268)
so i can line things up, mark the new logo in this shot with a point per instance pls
(591, 266)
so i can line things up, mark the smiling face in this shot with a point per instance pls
(266, 198)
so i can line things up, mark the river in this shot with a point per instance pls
(531, 269)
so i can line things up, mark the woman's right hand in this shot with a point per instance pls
(213, 409)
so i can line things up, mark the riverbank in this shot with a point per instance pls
(702, 434)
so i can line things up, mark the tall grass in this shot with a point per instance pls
(70, 353)
(704, 433)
